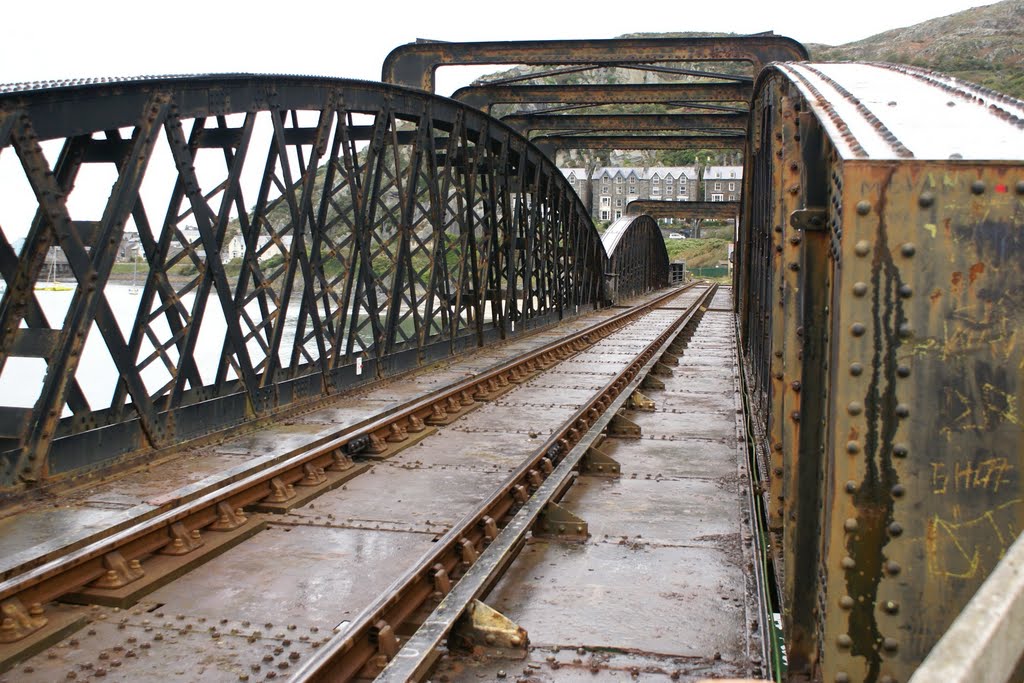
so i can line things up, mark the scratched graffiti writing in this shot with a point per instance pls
(965, 549)
(978, 406)
(988, 474)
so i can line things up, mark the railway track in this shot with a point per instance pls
(352, 541)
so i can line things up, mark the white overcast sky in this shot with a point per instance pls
(52, 39)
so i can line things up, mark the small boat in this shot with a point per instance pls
(51, 284)
(134, 288)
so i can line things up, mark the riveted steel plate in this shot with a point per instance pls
(139, 646)
(471, 450)
(300, 577)
(656, 510)
(512, 418)
(586, 595)
(422, 498)
(681, 458)
(686, 424)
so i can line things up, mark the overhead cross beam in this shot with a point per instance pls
(552, 143)
(684, 210)
(679, 94)
(415, 64)
(526, 123)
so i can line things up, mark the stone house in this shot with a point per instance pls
(723, 183)
(611, 188)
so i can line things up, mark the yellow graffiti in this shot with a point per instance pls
(958, 550)
(988, 474)
(930, 227)
(999, 336)
(981, 412)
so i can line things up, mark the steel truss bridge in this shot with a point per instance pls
(301, 238)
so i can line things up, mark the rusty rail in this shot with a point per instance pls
(370, 642)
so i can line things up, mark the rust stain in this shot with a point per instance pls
(936, 295)
(976, 270)
(955, 281)
(854, 434)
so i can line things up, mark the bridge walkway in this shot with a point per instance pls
(662, 589)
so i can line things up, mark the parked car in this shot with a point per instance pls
(676, 236)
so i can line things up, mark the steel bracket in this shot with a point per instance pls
(182, 540)
(813, 218)
(624, 428)
(662, 370)
(558, 522)
(597, 463)
(119, 571)
(483, 627)
(228, 518)
(638, 401)
(651, 382)
(19, 622)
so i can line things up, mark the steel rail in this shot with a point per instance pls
(64, 574)
(344, 656)
(414, 660)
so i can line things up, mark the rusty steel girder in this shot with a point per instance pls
(414, 64)
(551, 143)
(685, 210)
(637, 257)
(678, 94)
(880, 283)
(374, 229)
(527, 123)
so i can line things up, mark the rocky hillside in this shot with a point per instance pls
(984, 45)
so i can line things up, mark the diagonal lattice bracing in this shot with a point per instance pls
(232, 246)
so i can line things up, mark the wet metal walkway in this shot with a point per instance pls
(661, 589)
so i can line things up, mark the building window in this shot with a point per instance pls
(632, 190)
(717, 197)
(618, 190)
(618, 214)
(618, 202)
(632, 180)
(604, 188)
(605, 214)
(656, 191)
(718, 186)
(732, 187)
(618, 180)
(606, 201)
(572, 180)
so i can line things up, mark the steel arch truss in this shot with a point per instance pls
(637, 258)
(301, 234)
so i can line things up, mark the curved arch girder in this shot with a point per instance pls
(296, 235)
(637, 257)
